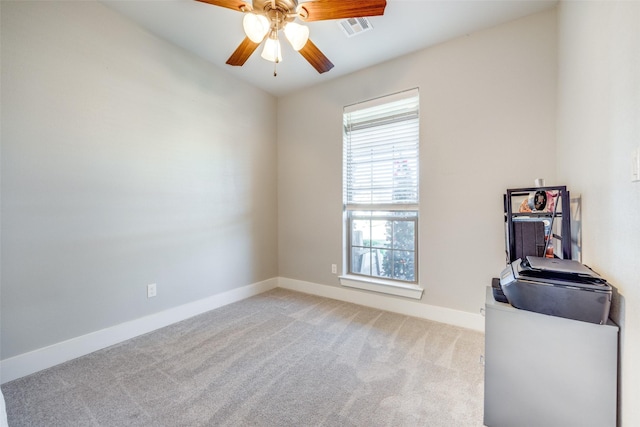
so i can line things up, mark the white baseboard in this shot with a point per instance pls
(46, 357)
(450, 316)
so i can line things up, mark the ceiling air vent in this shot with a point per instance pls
(354, 26)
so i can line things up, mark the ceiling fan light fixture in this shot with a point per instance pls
(272, 51)
(255, 26)
(271, 16)
(296, 34)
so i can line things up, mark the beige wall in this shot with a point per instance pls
(598, 129)
(125, 161)
(487, 124)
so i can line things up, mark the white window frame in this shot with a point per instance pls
(377, 200)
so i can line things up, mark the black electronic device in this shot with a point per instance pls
(557, 287)
(498, 295)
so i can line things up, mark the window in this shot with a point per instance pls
(381, 178)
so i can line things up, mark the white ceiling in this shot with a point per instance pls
(213, 33)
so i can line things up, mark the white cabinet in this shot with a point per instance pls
(548, 371)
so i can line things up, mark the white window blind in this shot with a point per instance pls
(381, 152)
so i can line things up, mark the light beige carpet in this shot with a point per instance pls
(278, 359)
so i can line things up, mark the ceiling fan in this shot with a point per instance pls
(264, 19)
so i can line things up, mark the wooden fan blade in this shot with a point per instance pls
(315, 57)
(320, 10)
(243, 52)
(238, 5)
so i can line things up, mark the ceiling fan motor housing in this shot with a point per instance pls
(284, 10)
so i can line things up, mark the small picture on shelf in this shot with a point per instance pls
(539, 201)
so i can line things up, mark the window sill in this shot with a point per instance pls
(382, 286)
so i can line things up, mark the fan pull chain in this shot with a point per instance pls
(277, 48)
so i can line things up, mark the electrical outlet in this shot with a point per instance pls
(334, 268)
(151, 290)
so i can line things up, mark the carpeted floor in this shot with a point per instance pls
(278, 359)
